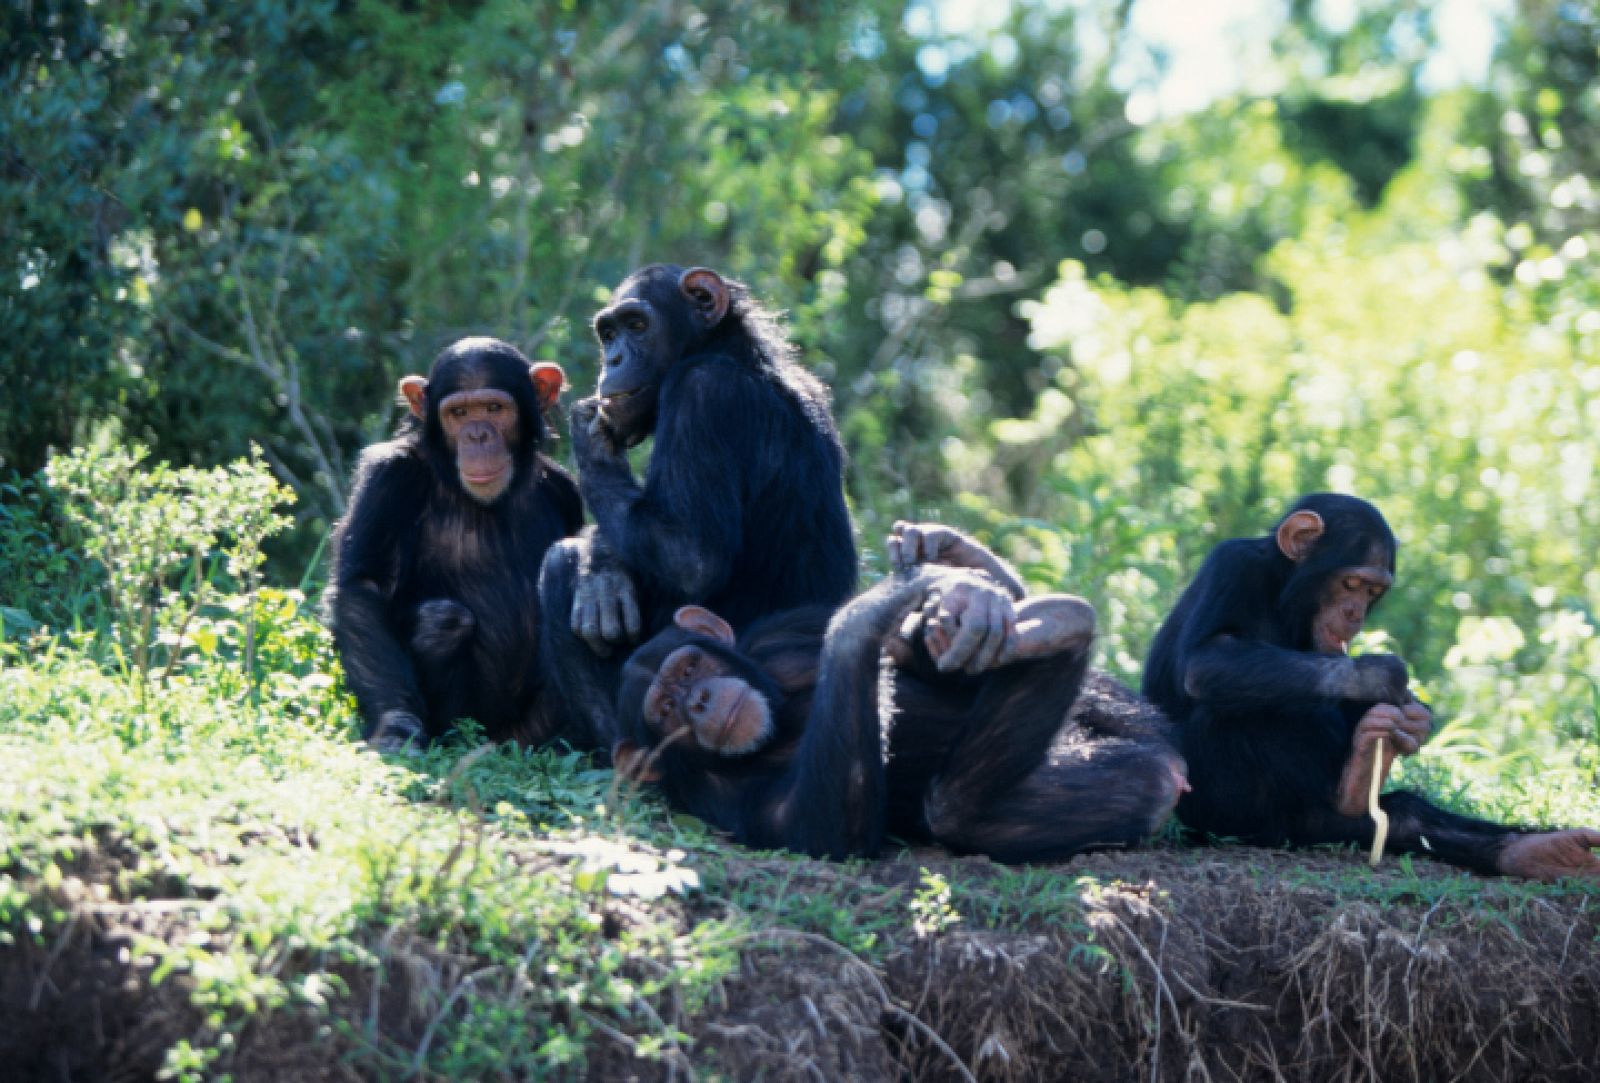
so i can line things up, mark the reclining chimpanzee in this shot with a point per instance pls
(995, 744)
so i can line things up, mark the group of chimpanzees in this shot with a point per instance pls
(941, 704)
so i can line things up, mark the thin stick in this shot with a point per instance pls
(1379, 817)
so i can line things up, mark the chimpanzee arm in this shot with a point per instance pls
(388, 495)
(910, 544)
(1249, 673)
(681, 530)
(830, 802)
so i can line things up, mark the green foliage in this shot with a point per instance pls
(293, 860)
(162, 536)
(932, 912)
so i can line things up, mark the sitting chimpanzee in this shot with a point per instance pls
(1280, 725)
(436, 564)
(779, 735)
(742, 509)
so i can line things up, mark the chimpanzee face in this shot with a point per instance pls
(480, 427)
(1346, 568)
(695, 689)
(654, 317)
(1346, 599)
(636, 347)
(470, 406)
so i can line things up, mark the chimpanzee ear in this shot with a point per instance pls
(633, 761)
(707, 292)
(1298, 533)
(703, 622)
(548, 380)
(414, 389)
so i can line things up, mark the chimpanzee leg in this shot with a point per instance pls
(583, 684)
(440, 648)
(1416, 826)
(1093, 793)
(1005, 736)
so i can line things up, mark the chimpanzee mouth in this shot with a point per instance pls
(619, 397)
(1332, 643)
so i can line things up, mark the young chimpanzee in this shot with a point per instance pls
(434, 596)
(1280, 726)
(790, 735)
(742, 509)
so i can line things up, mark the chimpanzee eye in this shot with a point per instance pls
(493, 407)
(606, 332)
(635, 324)
(1352, 584)
(457, 413)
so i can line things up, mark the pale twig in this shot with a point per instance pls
(1379, 817)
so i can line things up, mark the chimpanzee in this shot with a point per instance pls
(434, 596)
(780, 735)
(742, 509)
(1280, 726)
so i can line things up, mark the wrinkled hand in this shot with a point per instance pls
(398, 733)
(443, 626)
(911, 544)
(605, 607)
(592, 438)
(966, 625)
(1381, 678)
(1403, 730)
(1552, 855)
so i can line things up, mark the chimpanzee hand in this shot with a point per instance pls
(967, 625)
(1379, 678)
(398, 732)
(1552, 855)
(443, 626)
(1047, 625)
(1403, 730)
(605, 606)
(592, 438)
(911, 544)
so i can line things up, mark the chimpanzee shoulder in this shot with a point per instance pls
(558, 485)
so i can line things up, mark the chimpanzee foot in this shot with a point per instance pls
(399, 733)
(1048, 625)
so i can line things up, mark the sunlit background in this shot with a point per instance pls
(1106, 281)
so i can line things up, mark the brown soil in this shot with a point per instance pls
(1227, 964)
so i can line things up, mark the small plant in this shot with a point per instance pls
(163, 536)
(932, 912)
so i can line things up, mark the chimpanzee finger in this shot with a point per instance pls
(610, 616)
(586, 622)
(910, 546)
(968, 639)
(911, 624)
(994, 640)
(632, 623)
(1387, 722)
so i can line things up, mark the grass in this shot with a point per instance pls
(200, 866)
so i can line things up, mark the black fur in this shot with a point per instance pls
(434, 596)
(1012, 763)
(1265, 740)
(742, 509)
